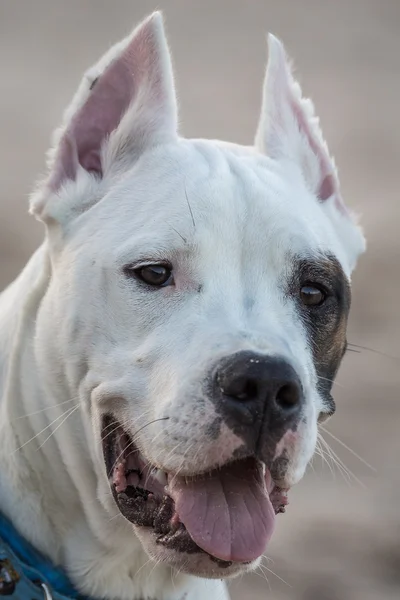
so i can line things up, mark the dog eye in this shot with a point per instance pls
(154, 275)
(312, 296)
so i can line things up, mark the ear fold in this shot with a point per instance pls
(289, 130)
(125, 103)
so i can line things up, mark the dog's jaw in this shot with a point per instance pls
(162, 506)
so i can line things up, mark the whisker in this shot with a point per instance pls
(127, 423)
(104, 437)
(339, 462)
(339, 441)
(188, 449)
(150, 423)
(375, 351)
(172, 451)
(190, 208)
(149, 464)
(124, 424)
(336, 462)
(156, 564)
(277, 576)
(58, 426)
(143, 566)
(180, 235)
(44, 429)
(327, 451)
(131, 443)
(118, 515)
(199, 449)
(320, 452)
(36, 412)
(128, 420)
(263, 576)
(134, 436)
(332, 381)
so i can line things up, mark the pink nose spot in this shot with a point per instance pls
(287, 442)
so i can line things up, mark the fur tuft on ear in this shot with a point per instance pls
(125, 104)
(289, 130)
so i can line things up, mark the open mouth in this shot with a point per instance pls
(227, 513)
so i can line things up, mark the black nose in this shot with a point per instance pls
(261, 389)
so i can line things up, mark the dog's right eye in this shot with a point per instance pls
(158, 275)
(311, 295)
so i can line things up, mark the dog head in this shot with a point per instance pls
(200, 293)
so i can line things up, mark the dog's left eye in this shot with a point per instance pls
(155, 275)
(312, 296)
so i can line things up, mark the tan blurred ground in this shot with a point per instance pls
(339, 540)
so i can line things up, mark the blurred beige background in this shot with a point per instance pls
(340, 539)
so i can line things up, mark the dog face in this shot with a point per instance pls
(200, 291)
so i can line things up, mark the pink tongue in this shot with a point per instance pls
(228, 513)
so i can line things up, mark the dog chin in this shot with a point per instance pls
(198, 564)
(215, 524)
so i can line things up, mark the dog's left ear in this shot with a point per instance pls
(289, 130)
(125, 105)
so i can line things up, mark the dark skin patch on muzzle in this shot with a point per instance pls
(280, 466)
(214, 429)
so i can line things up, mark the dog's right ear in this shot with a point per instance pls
(125, 104)
(289, 131)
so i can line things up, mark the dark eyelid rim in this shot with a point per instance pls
(143, 263)
(131, 270)
(322, 287)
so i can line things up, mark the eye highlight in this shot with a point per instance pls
(312, 295)
(157, 275)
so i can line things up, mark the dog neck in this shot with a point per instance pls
(49, 487)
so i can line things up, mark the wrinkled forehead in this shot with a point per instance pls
(218, 198)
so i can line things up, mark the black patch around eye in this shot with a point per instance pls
(325, 323)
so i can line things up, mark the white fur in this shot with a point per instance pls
(75, 333)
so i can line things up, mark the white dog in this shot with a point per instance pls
(167, 353)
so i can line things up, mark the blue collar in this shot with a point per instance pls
(26, 573)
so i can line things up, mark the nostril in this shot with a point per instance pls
(250, 390)
(288, 396)
(241, 388)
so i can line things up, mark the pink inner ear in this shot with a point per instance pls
(138, 66)
(100, 115)
(327, 188)
(283, 86)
